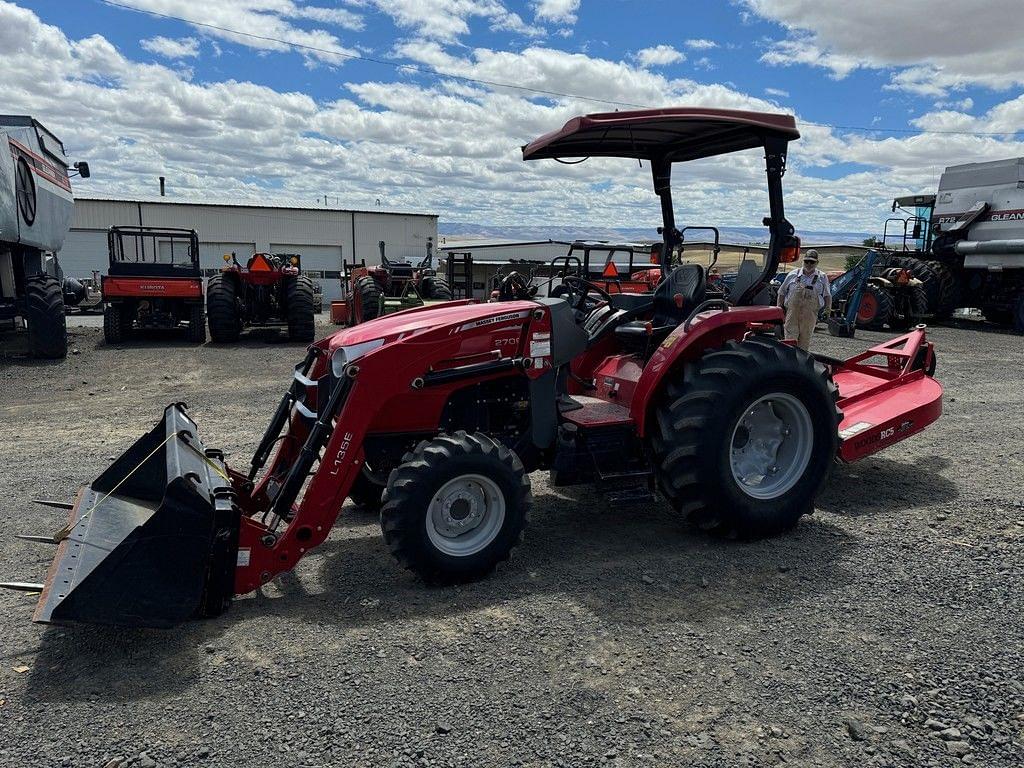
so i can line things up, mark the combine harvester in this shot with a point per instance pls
(439, 414)
(35, 214)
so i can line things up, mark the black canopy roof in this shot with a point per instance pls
(675, 134)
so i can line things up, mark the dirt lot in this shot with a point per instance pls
(887, 630)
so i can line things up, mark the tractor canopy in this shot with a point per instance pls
(677, 134)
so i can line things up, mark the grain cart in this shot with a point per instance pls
(373, 291)
(153, 282)
(270, 290)
(444, 411)
(35, 214)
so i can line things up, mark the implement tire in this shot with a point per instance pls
(455, 507)
(300, 309)
(743, 438)
(436, 288)
(222, 310)
(44, 315)
(368, 299)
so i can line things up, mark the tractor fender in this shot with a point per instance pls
(708, 330)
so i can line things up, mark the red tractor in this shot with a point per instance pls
(438, 415)
(154, 281)
(270, 290)
(374, 291)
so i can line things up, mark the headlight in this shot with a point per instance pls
(345, 355)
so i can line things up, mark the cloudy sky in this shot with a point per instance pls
(408, 101)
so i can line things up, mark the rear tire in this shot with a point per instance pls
(436, 288)
(222, 310)
(44, 315)
(912, 309)
(709, 434)
(929, 277)
(197, 324)
(455, 507)
(301, 314)
(368, 294)
(876, 308)
(949, 290)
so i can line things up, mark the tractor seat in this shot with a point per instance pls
(674, 299)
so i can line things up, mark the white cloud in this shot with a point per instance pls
(700, 44)
(445, 146)
(659, 56)
(449, 19)
(563, 11)
(777, 92)
(268, 20)
(169, 48)
(946, 46)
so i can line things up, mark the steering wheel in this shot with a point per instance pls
(578, 289)
(514, 286)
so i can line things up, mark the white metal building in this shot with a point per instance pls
(322, 235)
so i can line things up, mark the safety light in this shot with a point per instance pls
(294, 261)
(227, 257)
(790, 254)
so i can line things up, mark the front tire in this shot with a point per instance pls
(301, 314)
(197, 324)
(455, 507)
(436, 288)
(744, 437)
(44, 315)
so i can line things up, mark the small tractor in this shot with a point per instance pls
(437, 415)
(879, 291)
(369, 292)
(35, 214)
(153, 282)
(270, 290)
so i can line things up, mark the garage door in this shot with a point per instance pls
(211, 255)
(84, 251)
(320, 262)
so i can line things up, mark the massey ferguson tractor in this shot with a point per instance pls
(369, 292)
(153, 282)
(270, 290)
(35, 214)
(439, 415)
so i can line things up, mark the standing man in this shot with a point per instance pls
(804, 293)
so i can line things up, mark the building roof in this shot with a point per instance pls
(464, 244)
(292, 205)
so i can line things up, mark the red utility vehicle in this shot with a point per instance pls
(440, 413)
(270, 290)
(153, 281)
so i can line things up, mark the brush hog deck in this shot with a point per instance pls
(152, 541)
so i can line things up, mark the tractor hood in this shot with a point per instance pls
(413, 321)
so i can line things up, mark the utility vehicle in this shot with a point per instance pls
(439, 414)
(153, 281)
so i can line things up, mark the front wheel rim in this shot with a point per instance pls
(771, 446)
(465, 515)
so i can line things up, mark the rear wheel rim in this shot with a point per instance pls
(771, 446)
(868, 308)
(465, 515)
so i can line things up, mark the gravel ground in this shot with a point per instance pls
(886, 630)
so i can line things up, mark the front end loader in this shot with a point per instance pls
(438, 415)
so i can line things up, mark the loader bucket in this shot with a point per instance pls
(152, 541)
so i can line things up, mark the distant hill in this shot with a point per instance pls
(740, 235)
